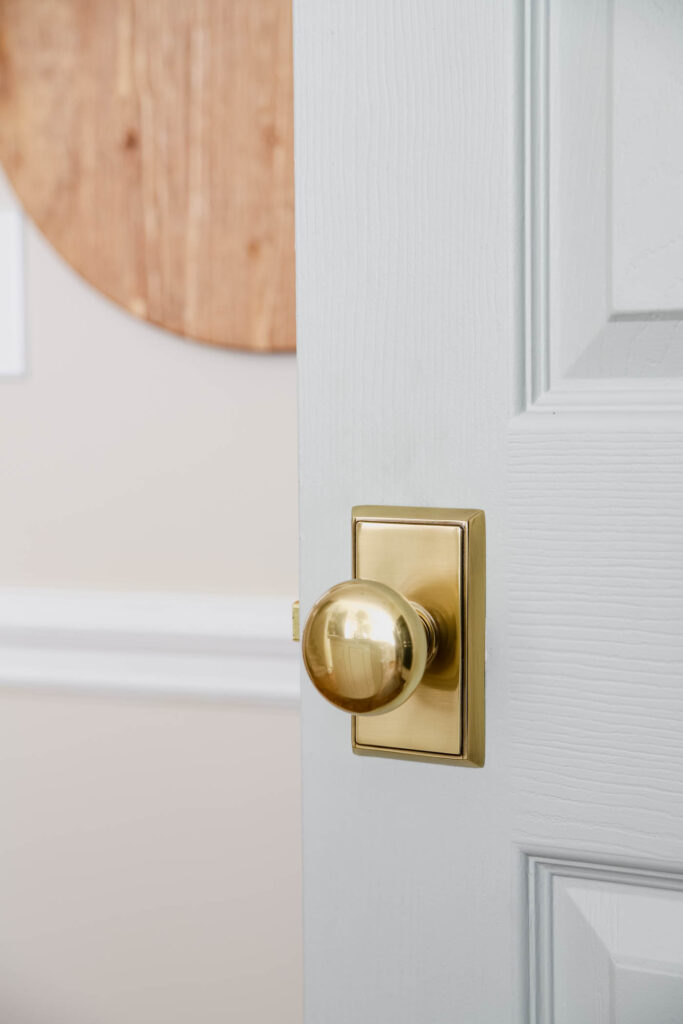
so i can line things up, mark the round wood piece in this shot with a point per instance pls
(151, 142)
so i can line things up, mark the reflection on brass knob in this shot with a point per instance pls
(366, 647)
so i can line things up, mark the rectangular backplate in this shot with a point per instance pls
(437, 558)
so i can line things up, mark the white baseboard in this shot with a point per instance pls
(237, 648)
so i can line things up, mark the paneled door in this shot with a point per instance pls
(489, 203)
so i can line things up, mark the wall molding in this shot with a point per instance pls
(187, 645)
(541, 872)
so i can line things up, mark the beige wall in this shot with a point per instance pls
(149, 849)
(132, 459)
(149, 863)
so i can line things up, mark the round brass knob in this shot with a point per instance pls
(366, 647)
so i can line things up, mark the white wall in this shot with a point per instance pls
(130, 458)
(149, 849)
(149, 862)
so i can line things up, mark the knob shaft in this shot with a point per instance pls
(366, 647)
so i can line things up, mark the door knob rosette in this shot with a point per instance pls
(366, 647)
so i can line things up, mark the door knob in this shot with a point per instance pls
(401, 645)
(366, 647)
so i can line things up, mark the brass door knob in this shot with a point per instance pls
(366, 647)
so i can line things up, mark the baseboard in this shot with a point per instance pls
(236, 648)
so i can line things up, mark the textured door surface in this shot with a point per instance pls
(490, 315)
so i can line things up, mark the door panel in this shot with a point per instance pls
(603, 86)
(606, 943)
(487, 317)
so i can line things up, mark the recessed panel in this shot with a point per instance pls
(604, 162)
(646, 156)
(606, 942)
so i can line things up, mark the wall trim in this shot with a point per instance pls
(187, 645)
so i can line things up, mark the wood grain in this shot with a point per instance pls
(404, 240)
(595, 653)
(152, 144)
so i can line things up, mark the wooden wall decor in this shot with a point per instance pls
(151, 142)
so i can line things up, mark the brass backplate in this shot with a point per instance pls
(437, 558)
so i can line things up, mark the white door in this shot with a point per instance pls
(490, 315)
